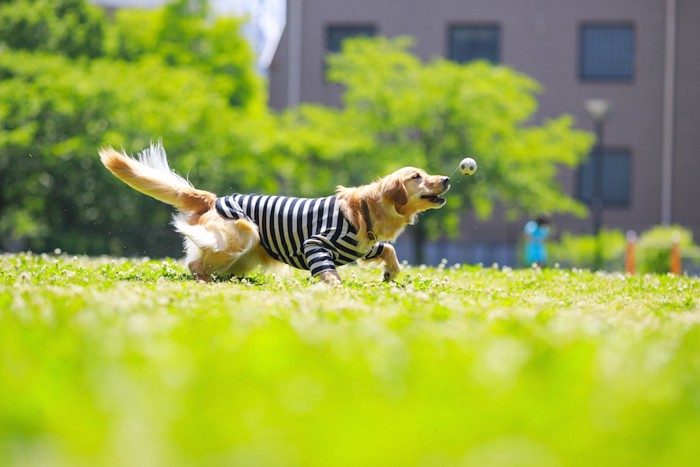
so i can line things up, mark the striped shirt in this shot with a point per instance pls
(307, 233)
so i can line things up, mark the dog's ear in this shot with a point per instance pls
(395, 191)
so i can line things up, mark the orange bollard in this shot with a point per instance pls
(630, 254)
(675, 258)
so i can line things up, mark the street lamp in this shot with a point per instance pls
(598, 110)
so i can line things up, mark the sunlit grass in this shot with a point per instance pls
(107, 361)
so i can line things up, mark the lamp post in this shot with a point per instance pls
(598, 110)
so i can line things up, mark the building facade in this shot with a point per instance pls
(641, 56)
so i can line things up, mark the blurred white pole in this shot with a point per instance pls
(668, 109)
(295, 30)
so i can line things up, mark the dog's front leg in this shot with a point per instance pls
(391, 262)
(319, 256)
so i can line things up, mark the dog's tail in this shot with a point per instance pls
(151, 175)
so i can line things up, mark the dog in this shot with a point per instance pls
(233, 235)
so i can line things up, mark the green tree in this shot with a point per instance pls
(56, 111)
(183, 33)
(433, 114)
(67, 27)
(312, 148)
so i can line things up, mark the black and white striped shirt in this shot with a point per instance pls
(307, 233)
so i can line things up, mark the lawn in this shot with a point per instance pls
(127, 362)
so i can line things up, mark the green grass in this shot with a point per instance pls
(122, 362)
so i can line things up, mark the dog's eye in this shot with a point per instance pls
(416, 177)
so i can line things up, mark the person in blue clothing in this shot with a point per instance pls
(536, 232)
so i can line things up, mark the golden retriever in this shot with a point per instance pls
(233, 235)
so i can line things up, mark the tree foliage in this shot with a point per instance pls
(55, 111)
(67, 27)
(183, 35)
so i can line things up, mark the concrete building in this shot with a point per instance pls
(642, 56)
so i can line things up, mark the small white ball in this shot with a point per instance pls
(467, 166)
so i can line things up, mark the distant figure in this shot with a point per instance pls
(536, 232)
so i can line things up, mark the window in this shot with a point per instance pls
(474, 42)
(616, 177)
(607, 52)
(335, 35)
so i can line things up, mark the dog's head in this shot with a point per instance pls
(412, 190)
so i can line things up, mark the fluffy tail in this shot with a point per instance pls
(151, 175)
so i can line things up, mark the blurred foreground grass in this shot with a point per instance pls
(118, 362)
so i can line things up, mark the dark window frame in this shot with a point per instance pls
(352, 30)
(607, 203)
(327, 31)
(595, 76)
(452, 53)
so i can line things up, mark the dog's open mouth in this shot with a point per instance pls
(435, 199)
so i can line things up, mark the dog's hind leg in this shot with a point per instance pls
(214, 244)
(197, 268)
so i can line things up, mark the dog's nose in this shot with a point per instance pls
(445, 182)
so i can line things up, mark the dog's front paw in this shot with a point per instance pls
(330, 277)
(390, 274)
(202, 277)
